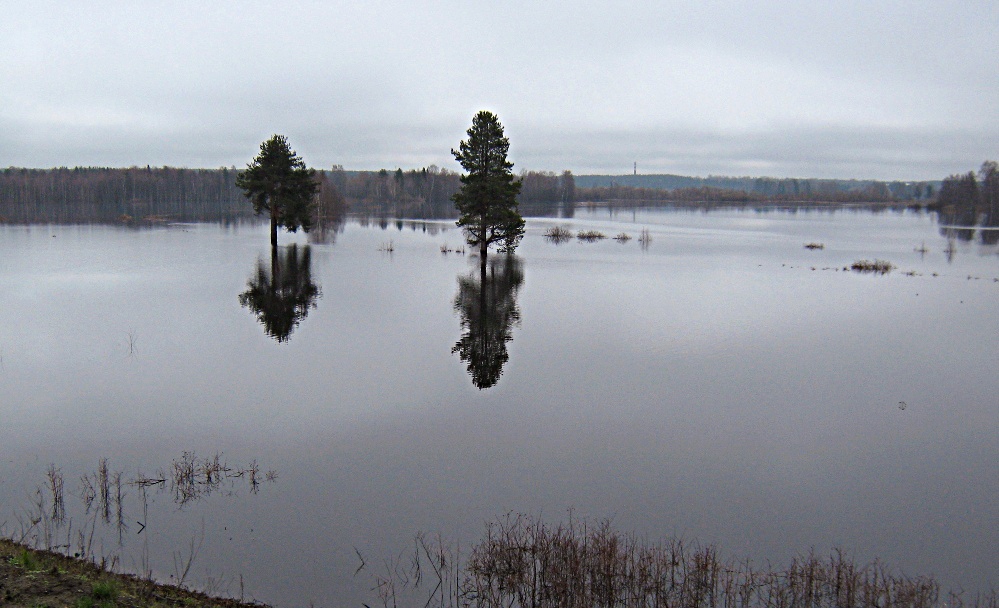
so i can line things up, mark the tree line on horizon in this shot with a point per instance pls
(102, 194)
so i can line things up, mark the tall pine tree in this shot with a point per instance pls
(487, 200)
(278, 182)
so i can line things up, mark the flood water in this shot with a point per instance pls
(719, 382)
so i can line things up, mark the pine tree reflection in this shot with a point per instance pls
(487, 303)
(281, 296)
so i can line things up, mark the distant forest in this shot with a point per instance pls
(814, 190)
(96, 194)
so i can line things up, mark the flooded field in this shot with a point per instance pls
(282, 427)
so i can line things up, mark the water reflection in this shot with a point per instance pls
(964, 219)
(330, 211)
(282, 294)
(326, 229)
(487, 303)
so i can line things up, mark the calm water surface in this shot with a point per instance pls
(723, 384)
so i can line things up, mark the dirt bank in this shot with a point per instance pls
(37, 579)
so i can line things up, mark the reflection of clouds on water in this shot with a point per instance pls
(282, 295)
(487, 303)
(645, 359)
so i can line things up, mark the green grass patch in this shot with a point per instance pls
(105, 590)
(26, 560)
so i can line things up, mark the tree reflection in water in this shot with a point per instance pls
(281, 295)
(487, 303)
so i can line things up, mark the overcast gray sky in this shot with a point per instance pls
(851, 88)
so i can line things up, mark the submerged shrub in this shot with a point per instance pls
(873, 266)
(590, 235)
(558, 234)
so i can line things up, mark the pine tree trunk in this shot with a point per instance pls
(273, 227)
(483, 245)
(482, 290)
(274, 269)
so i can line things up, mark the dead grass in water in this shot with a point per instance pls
(523, 562)
(558, 234)
(872, 266)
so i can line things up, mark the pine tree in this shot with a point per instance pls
(487, 200)
(278, 182)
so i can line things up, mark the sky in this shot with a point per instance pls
(865, 89)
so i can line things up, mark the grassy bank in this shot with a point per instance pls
(31, 578)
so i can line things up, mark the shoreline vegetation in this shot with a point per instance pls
(523, 562)
(519, 561)
(47, 562)
(158, 194)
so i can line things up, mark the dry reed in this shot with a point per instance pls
(525, 563)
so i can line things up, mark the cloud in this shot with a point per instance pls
(780, 86)
(888, 154)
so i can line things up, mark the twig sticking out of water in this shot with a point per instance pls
(181, 563)
(644, 238)
(119, 509)
(56, 484)
(87, 492)
(132, 340)
(104, 485)
(445, 249)
(192, 477)
(361, 559)
(254, 471)
(950, 250)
